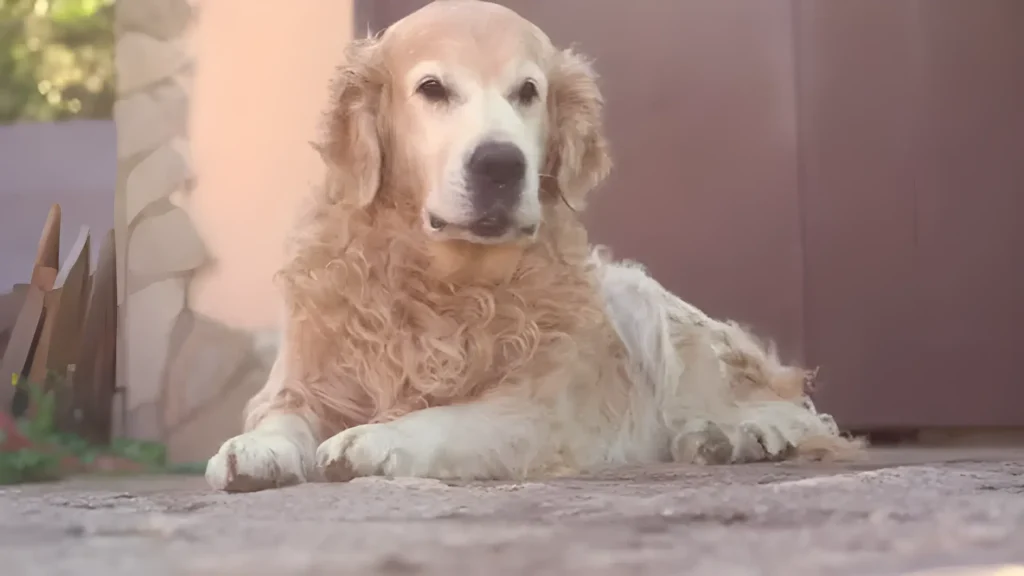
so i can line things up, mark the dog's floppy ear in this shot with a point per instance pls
(577, 152)
(352, 146)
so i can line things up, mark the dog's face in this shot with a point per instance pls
(467, 109)
(471, 108)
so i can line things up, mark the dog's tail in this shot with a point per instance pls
(755, 367)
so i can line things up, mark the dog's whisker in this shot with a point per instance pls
(566, 201)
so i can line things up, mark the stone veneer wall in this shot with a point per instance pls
(185, 378)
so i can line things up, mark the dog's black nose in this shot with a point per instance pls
(496, 172)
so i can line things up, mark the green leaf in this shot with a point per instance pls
(36, 86)
(27, 465)
(73, 444)
(187, 468)
(66, 11)
(41, 425)
(144, 452)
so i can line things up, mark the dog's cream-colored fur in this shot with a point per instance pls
(412, 351)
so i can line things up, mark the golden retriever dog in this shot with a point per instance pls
(446, 316)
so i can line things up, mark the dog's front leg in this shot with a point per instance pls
(277, 448)
(486, 439)
(278, 452)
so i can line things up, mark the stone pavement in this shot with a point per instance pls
(900, 512)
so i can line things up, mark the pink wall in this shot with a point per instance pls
(261, 84)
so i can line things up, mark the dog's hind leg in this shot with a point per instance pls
(723, 395)
(672, 350)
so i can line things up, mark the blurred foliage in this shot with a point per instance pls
(56, 60)
(49, 452)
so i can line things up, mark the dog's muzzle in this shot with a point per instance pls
(495, 179)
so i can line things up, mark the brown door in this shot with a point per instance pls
(847, 177)
(912, 180)
(858, 95)
(970, 219)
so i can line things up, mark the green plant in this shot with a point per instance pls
(56, 59)
(152, 454)
(48, 448)
(28, 465)
(42, 423)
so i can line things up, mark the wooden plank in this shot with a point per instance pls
(65, 306)
(73, 281)
(20, 347)
(36, 372)
(95, 370)
(44, 271)
(10, 307)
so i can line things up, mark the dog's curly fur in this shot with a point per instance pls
(411, 324)
(410, 356)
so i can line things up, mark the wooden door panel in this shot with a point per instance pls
(913, 190)
(970, 240)
(857, 96)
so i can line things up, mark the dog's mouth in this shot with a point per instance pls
(493, 228)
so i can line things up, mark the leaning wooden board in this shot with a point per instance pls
(65, 311)
(94, 381)
(19, 348)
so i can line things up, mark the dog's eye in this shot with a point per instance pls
(433, 90)
(527, 93)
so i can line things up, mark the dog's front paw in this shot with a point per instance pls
(366, 450)
(257, 461)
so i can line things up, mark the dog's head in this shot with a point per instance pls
(466, 114)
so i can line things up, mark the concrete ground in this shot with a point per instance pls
(900, 512)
